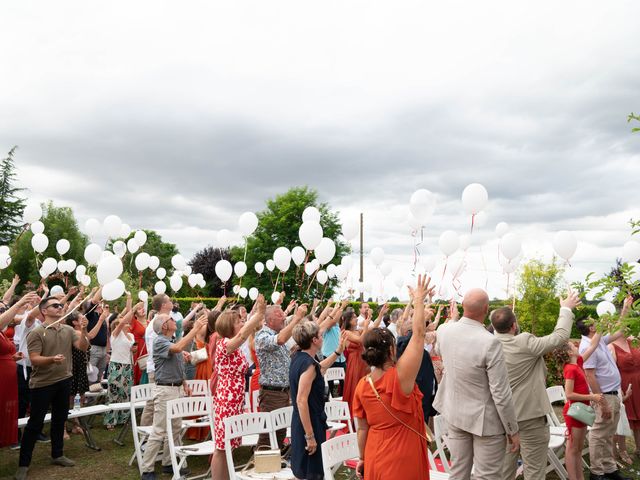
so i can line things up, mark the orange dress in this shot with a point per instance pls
(138, 329)
(253, 384)
(203, 372)
(392, 450)
(356, 369)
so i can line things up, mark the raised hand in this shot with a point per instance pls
(421, 290)
(454, 314)
(571, 301)
(301, 311)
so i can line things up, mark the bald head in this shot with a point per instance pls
(475, 304)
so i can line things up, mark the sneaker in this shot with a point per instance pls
(21, 474)
(169, 469)
(42, 438)
(63, 462)
(15, 446)
(148, 476)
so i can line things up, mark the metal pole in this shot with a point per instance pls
(361, 253)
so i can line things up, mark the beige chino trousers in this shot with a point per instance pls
(534, 443)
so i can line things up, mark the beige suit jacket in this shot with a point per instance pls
(474, 394)
(527, 371)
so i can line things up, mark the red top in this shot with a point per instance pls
(629, 366)
(575, 372)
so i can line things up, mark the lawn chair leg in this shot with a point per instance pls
(86, 431)
(119, 440)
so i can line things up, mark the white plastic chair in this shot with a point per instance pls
(199, 388)
(183, 408)
(281, 419)
(331, 375)
(239, 426)
(336, 451)
(440, 433)
(556, 394)
(139, 393)
(338, 411)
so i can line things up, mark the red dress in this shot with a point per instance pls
(8, 393)
(229, 393)
(253, 384)
(575, 372)
(629, 366)
(356, 369)
(138, 329)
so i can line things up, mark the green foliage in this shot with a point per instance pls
(538, 307)
(11, 204)
(278, 226)
(635, 117)
(59, 223)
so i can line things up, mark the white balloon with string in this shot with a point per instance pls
(310, 234)
(322, 277)
(125, 230)
(240, 268)
(49, 265)
(282, 258)
(448, 242)
(39, 242)
(565, 244)
(109, 269)
(86, 280)
(71, 265)
(247, 223)
(140, 237)
(142, 261)
(253, 293)
(223, 270)
(37, 227)
(325, 251)
(119, 248)
(143, 296)
(605, 308)
(161, 273)
(92, 253)
(112, 226)
(502, 229)
(510, 245)
(243, 292)
(154, 262)
(275, 296)
(422, 205)
(224, 238)
(113, 290)
(132, 245)
(259, 267)
(176, 282)
(350, 228)
(298, 255)
(331, 270)
(270, 265)
(92, 227)
(160, 287)
(385, 269)
(377, 256)
(474, 198)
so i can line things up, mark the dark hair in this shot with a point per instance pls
(582, 326)
(212, 317)
(562, 355)
(503, 319)
(377, 344)
(386, 319)
(72, 317)
(345, 319)
(43, 303)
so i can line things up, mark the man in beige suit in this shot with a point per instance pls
(523, 355)
(474, 396)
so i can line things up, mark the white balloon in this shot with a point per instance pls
(5, 261)
(161, 273)
(448, 242)
(71, 265)
(465, 241)
(178, 262)
(271, 265)
(347, 261)
(635, 272)
(235, 289)
(253, 293)
(480, 219)
(322, 277)
(92, 253)
(398, 280)
(350, 228)
(125, 231)
(311, 214)
(119, 248)
(109, 269)
(86, 280)
(510, 266)
(297, 255)
(385, 269)
(56, 290)
(80, 271)
(143, 296)
(92, 227)
(62, 246)
(154, 262)
(501, 229)
(200, 277)
(259, 267)
(275, 296)
(142, 261)
(223, 270)
(421, 205)
(240, 268)
(414, 223)
(565, 244)
(605, 307)
(160, 287)
(112, 226)
(32, 212)
(325, 251)
(341, 272)
(176, 282)
(37, 227)
(62, 266)
(474, 198)
(631, 251)
(4, 250)
(510, 245)
(224, 238)
(192, 280)
(282, 258)
(106, 254)
(309, 268)
(331, 270)
(49, 266)
(113, 290)
(247, 223)
(377, 255)
(39, 242)
(310, 234)
(243, 292)
(141, 237)
(132, 245)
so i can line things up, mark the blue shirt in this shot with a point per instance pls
(331, 341)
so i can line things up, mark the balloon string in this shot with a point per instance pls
(140, 279)
(484, 266)
(444, 270)
(473, 216)
(275, 285)
(311, 281)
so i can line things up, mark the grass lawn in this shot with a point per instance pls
(112, 461)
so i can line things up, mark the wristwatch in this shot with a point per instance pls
(309, 437)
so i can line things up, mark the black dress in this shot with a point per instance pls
(306, 466)
(79, 381)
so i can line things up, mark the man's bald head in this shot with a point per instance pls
(475, 304)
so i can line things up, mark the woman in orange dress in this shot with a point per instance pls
(137, 328)
(391, 429)
(254, 386)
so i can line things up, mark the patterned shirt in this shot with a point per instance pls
(274, 359)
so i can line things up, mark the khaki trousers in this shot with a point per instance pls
(268, 401)
(147, 412)
(534, 443)
(484, 454)
(601, 438)
(159, 435)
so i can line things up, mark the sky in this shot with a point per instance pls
(179, 116)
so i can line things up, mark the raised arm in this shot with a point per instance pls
(80, 341)
(327, 362)
(286, 332)
(254, 323)
(96, 328)
(6, 298)
(181, 344)
(592, 347)
(7, 317)
(198, 307)
(562, 331)
(333, 318)
(302, 401)
(219, 306)
(383, 310)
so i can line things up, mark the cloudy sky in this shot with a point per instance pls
(179, 116)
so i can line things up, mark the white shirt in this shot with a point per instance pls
(393, 328)
(606, 370)
(149, 337)
(361, 321)
(22, 331)
(121, 348)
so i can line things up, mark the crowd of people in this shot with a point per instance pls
(401, 370)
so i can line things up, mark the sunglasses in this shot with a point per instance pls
(55, 305)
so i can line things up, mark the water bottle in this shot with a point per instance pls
(76, 402)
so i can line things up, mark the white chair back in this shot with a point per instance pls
(199, 388)
(239, 426)
(281, 418)
(338, 411)
(336, 451)
(555, 394)
(440, 433)
(333, 373)
(139, 393)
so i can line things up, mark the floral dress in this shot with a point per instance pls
(229, 393)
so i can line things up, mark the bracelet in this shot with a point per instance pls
(336, 353)
(309, 437)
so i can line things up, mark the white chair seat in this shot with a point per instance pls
(558, 431)
(249, 440)
(202, 448)
(556, 441)
(284, 474)
(435, 475)
(335, 426)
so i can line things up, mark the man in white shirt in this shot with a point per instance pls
(396, 313)
(365, 315)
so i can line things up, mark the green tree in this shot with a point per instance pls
(11, 204)
(278, 226)
(538, 288)
(59, 222)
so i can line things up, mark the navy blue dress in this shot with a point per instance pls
(303, 465)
